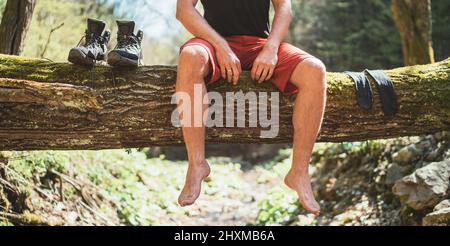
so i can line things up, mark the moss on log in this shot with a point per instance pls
(46, 105)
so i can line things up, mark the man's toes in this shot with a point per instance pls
(185, 203)
(312, 207)
(181, 202)
(186, 200)
(315, 210)
(312, 210)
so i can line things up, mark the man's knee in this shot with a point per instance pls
(316, 66)
(311, 69)
(195, 59)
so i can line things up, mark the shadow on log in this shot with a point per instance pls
(47, 105)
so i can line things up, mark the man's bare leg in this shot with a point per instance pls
(192, 68)
(310, 77)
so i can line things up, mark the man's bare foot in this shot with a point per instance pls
(301, 183)
(193, 184)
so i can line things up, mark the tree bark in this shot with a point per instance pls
(14, 25)
(47, 105)
(413, 19)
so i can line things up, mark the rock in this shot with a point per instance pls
(426, 187)
(442, 136)
(306, 220)
(424, 144)
(433, 155)
(432, 139)
(443, 205)
(394, 173)
(406, 155)
(437, 153)
(71, 217)
(347, 218)
(440, 216)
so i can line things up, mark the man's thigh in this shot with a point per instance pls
(289, 57)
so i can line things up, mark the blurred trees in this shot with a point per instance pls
(413, 20)
(347, 34)
(358, 34)
(441, 28)
(50, 14)
(16, 19)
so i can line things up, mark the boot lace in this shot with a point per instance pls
(91, 41)
(125, 41)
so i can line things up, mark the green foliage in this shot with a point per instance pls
(359, 34)
(280, 205)
(117, 174)
(278, 208)
(348, 34)
(2, 5)
(36, 164)
(441, 28)
(5, 223)
(283, 154)
(142, 190)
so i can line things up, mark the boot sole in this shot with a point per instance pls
(79, 58)
(117, 60)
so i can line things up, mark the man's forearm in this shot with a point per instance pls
(198, 26)
(280, 24)
(229, 63)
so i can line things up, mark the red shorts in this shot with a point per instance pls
(247, 49)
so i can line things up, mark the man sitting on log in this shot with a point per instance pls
(232, 36)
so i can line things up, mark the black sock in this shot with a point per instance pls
(364, 94)
(388, 96)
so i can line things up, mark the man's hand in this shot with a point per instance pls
(264, 65)
(229, 63)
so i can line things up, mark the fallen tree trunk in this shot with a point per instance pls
(47, 105)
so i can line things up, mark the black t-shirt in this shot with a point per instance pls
(238, 17)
